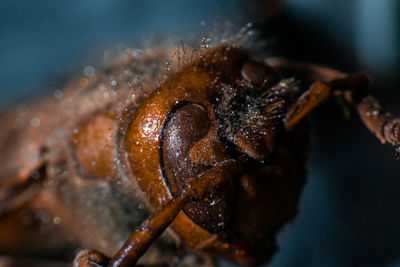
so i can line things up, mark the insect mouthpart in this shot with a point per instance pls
(251, 118)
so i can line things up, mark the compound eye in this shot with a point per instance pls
(259, 74)
(186, 125)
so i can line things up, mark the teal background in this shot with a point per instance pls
(349, 214)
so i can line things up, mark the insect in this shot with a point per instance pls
(211, 158)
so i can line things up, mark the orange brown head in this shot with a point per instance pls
(222, 106)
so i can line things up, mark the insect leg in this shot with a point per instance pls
(385, 126)
(154, 226)
(323, 83)
(14, 197)
(355, 85)
(315, 95)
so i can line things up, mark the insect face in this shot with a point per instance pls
(222, 107)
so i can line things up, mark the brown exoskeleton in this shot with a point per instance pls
(214, 155)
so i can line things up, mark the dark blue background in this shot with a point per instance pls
(349, 213)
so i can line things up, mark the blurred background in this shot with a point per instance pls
(349, 214)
